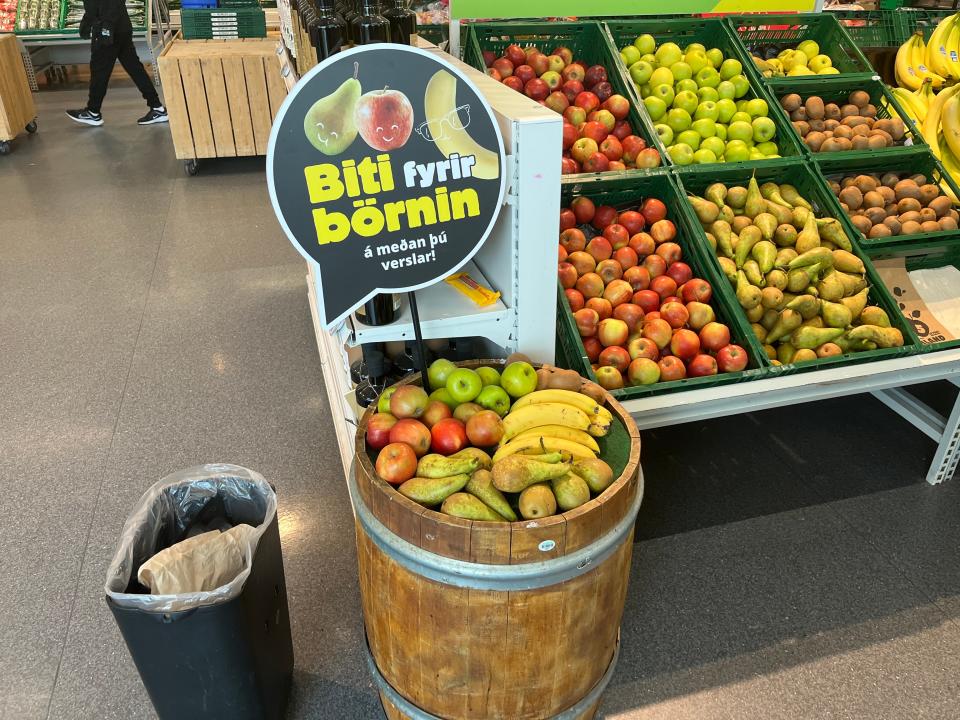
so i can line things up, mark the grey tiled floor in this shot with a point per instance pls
(149, 321)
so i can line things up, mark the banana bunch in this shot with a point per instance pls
(548, 421)
(769, 68)
(910, 66)
(942, 49)
(915, 104)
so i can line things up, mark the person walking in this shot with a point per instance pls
(107, 24)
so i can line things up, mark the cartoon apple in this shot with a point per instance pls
(384, 119)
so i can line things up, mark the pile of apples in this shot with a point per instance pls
(642, 315)
(698, 101)
(597, 137)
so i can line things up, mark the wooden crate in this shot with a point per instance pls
(221, 95)
(16, 102)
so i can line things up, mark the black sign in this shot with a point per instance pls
(385, 166)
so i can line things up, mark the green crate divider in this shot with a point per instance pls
(869, 28)
(837, 88)
(813, 188)
(907, 21)
(588, 41)
(917, 160)
(788, 30)
(923, 256)
(710, 32)
(627, 192)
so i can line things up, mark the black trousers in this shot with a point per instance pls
(104, 57)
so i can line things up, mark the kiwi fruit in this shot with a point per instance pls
(899, 130)
(859, 98)
(849, 111)
(865, 183)
(875, 142)
(853, 121)
(845, 208)
(831, 124)
(889, 197)
(831, 111)
(798, 114)
(861, 223)
(928, 193)
(910, 216)
(919, 179)
(930, 226)
(815, 141)
(869, 111)
(947, 223)
(940, 205)
(814, 107)
(845, 144)
(879, 231)
(887, 137)
(861, 131)
(875, 215)
(890, 179)
(884, 125)
(790, 102)
(907, 189)
(890, 209)
(852, 197)
(910, 228)
(816, 125)
(860, 142)
(848, 181)
(802, 127)
(955, 215)
(927, 215)
(909, 204)
(830, 145)
(834, 186)
(893, 224)
(843, 131)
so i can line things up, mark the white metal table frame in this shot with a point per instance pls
(885, 380)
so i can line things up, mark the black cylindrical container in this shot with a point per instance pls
(370, 26)
(403, 22)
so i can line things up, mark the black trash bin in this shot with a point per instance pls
(222, 655)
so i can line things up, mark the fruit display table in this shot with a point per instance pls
(17, 111)
(221, 95)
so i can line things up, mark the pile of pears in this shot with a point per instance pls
(796, 277)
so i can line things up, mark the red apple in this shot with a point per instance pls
(732, 358)
(384, 119)
(700, 315)
(632, 221)
(602, 306)
(488, 57)
(632, 147)
(564, 52)
(605, 118)
(658, 330)
(655, 265)
(626, 257)
(591, 285)
(664, 286)
(631, 314)
(622, 130)
(612, 149)
(569, 166)
(539, 62)
(594, 130)
(567, 274)
(648, 158)
(655, 315)
(574, 298)
(670, 252)
(492, 72)
(671, 368)
(574, 71)
(617, 235)
(557, 102)
(503, 66)
(592, 347)
(515, 54)
(684, 343)
(613, 332)
(670, 298)
(587, 321)
(584, 209)
(696, 290)
(600, 248)
(615, 356)
(595, 74)
(575, 115)
(605, 215)
(714, 336)
(514, 83)
(701, 366)
(653, 210)
(603, 91)
(567, 220)
(572, 239)
(396, 463)
(643, 347)
(618, 105)
(587, 100)
(412, 432)
(679, 271)
(572, 88)
(536, 89)
(643, 244)
(525, 73)
(675, 314)
(561, 254)
(583, 149)
(609, 270)
(648, 300)
(643, 371)
(618, 292)
(435, 412)
(582, 261)
(609, 378)
(637, 276)
(408, 401)
(378, 429)
(596, 163)
(484, 429)
(663, 231)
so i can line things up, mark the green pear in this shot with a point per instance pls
(792, 197)
(800, 217)
(727, 213)
(770, 318)
(851, 283)
(782, 214)
(596, 473)
(707, 212)
(537, 501)
(816, 255)
(808, 338)
(517, 472)
(857, 304)
(748, 295)
(721, 231)
(807, 305)
(765, 253)
(830, 287)
(466, 506)
(329, 124)
(717, 194)
(777, 278)
(481, 486)
(484, 461)
(729, 268)
(751, 268)
(785, 235)
(571, 491)
(432, 491)
(788, 321)
(784, 257)
(848, 262)
(736, 197)
(785, 352)
(755, 203)
(771, 192)
(884, 337)
(749, 237)
(814, 322)
(808, 238)
(835, 315)
(872, 315)
(831, 230)
(767, 224)
(440, 466)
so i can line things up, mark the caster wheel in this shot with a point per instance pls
(4, 148)
(31, 126)
(191, 167)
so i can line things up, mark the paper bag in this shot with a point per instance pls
(927, 298)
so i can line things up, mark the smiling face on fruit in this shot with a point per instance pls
(384, 119)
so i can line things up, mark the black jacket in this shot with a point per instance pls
(105, 15)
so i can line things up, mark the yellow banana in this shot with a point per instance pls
(909, 103)
(925, 98)
(533, 416)
(952, 168)
(907, 76)
(439, 101)
(919, 56)
(950, 124)
(952, 47)
(540, 444)
(936, 55)
(568, 397)
(561, 432)
(931, 123)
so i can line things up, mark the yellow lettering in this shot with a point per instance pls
(323, 183)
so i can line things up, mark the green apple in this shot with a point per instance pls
(809, 48)
(383, 404)
(668, 53)
(685, 100)
(768, 148)
(742, 106)
(729, 68)
(439, 371)
(695, 47)
(829, 71)
(819, 63)
(665, 133)
(640, 72)
(715, 56)
(661, 76)
(726, 107)
(704, 127)
(737, 151)
(804, 70)
(704, 157)
(489, 375)
(714, 144)
(798, 58)
(721, 133)
(740, 130)
(742, 117)
(645, 91)
(763, 130)
(688, 85)
(630, 54)
(708, 77)
(664, 92)
(707, 109)
(681, 71)
(494, 397)
(464, 385)
(519, 379)
(649, 58)
(655, 107)
(679, 120)
(726, 90)
(681, 154)
(645, 44)
(688, 137)
(708, 94)
(741, 84)
(756, 154)
(696, 60)
(757, 107)
(444, 396)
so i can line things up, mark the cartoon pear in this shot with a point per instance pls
(329, 124)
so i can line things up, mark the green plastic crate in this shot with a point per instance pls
(787, 31)
(712, 33)
(917, 160)
(837, 89)
(813, 188)
(869, 28)
(589, 43)
(923, 256)
(58, 30)
(907, 21)
(209, 23)
(628, 192)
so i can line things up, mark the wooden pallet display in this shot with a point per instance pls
(16, 103)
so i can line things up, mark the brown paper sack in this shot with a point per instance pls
(198, 564)
(935, 312)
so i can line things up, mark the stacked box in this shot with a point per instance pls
(243, 22)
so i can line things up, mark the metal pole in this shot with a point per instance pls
(421, 350)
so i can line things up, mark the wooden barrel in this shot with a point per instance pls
(480, 620)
